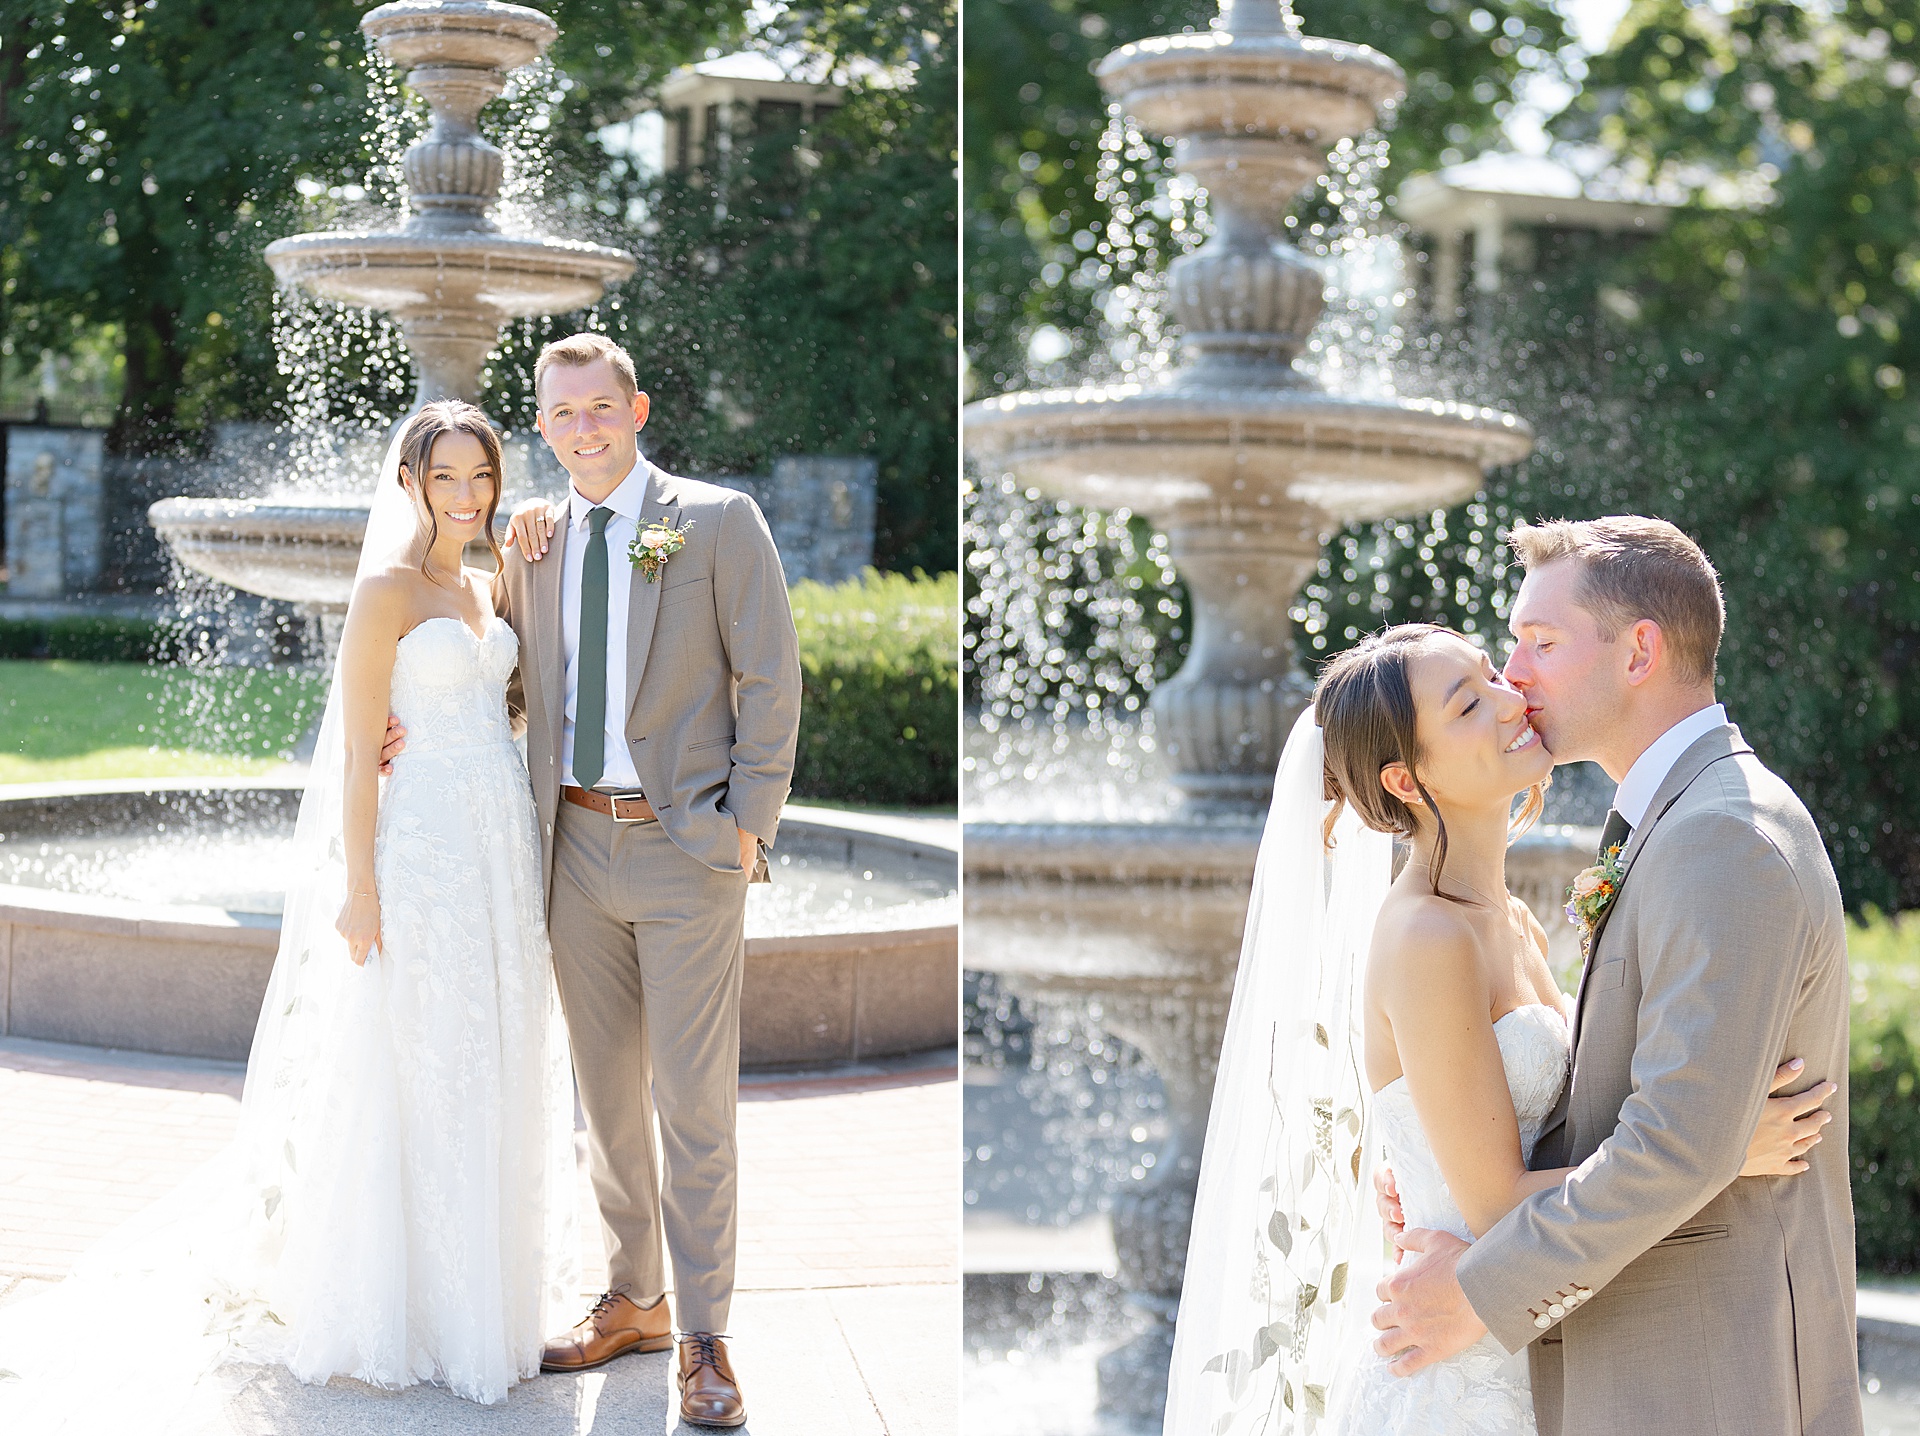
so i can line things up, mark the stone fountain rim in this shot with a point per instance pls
(433, 250)
(1365, 70)
(1181, 853)
(483, 16)
(1238, 417)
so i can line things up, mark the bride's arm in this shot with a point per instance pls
(1433, 990)
(367, 647)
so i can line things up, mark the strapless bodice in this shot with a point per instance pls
(450, 687)
(1534, 1047)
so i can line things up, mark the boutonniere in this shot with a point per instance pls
(655, 544)
(1593, 892)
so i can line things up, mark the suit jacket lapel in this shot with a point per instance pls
(547, 587)
(1705, 751)
(643, 602)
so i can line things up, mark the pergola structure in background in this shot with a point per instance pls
(1500, 203)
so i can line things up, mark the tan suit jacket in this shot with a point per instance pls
(1719, 1303)
(713, 672)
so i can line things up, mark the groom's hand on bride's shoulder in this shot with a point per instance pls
(1427, 1317)
(395, 744)
(531, 527)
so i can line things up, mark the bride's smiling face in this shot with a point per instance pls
(1477, 748)
(459, 488)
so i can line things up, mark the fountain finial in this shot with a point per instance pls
(1257, 17)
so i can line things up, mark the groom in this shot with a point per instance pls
(660, 680)
(1654, 1289)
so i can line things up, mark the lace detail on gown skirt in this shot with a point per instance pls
(1483, 1391)
(409, 1219)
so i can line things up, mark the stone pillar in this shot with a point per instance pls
(54, 512)
(822, 516)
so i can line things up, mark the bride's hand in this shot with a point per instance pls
(531, 527)
(1789, 1126)
(359, 924)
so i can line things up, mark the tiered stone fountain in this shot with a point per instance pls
(1249, 467)
(449, 275)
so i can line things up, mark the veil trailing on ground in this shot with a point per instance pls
(189, 1286)
(1287, 1245)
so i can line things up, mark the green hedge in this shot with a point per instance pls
(101, 638)
(1884, 953)
(880, 701)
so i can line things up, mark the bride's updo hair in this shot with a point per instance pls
(1364, 706)
(422, 431)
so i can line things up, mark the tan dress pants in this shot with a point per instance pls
(648, 950)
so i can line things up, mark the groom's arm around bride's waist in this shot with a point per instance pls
(1723, 939)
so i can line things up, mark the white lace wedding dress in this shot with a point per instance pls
(397, 1206)
(1483, 1391)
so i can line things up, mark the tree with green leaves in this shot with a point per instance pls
(151, 149)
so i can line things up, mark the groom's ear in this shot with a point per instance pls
(642, 406)
(1646, 651)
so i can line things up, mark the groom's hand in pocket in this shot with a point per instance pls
(393, 747)
(1427, 1317)
(749, 851)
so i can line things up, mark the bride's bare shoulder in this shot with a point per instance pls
(1420, 937)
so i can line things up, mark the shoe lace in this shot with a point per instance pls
(604, 1304)
(706, 1350)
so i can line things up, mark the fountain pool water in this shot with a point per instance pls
(149, 917)
(1128, 900)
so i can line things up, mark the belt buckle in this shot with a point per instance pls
(616, 799)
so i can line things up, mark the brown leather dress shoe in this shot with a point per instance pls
(616, 1326)
(709, 1396)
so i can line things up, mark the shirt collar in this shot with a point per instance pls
(1635, 793)
(625, 501)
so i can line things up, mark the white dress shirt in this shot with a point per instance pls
(1635, 793)
(625, 502)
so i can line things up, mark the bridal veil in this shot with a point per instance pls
(1287, 1245)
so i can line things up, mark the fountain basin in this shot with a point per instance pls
(1159, 449)
(480, 278)
(177, 959)
(1275, 85)
(300, 553)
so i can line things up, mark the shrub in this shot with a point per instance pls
(90, 638)
(880, 698)
(1884, 954)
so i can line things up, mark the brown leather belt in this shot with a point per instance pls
(619, 807)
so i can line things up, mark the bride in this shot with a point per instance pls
(396, 1204)
(1412, 1019)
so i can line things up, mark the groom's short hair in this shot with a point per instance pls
(1633, 568)
(577, 351)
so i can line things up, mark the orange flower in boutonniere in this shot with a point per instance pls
(1593, 892)
(655, 544)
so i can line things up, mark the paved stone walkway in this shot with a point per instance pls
(847, 1317)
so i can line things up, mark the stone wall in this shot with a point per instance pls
(54, 506)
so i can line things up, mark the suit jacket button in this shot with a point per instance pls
(1556, 1311)
(1543, 1321)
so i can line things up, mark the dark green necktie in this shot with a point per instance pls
(1616, 832)
(590, 701)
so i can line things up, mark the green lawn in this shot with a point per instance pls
(62, 719)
